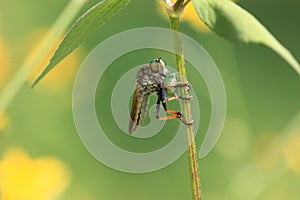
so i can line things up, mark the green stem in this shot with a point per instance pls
(20, 77)
(175, 26)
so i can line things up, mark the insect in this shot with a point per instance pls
(150, 79)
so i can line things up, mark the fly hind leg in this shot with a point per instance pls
(176, 115)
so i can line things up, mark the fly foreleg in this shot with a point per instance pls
(178, 85)
(176, 97)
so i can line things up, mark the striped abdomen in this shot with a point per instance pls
(138, 109)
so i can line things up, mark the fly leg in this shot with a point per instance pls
(157, 112)
(175, 115)
(176, 97)
(178, 85)
(162, 97)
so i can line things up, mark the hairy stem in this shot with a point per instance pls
(175, 26)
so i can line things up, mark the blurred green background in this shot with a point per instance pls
(257, 156)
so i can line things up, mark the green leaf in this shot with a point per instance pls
(82, 29)
(234, 23)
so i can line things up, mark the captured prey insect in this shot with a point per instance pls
(151, 79)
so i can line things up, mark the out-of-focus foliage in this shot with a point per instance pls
(5, 59)
(257, 156)
(235, 24)
(82, 29)
(63, 75)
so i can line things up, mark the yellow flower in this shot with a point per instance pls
(62, 75)
(190, 16)
(24, 178)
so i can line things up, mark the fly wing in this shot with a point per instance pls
(138, 109)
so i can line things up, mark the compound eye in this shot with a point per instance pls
(154, 67)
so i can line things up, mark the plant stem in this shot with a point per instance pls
(19, 78)
(175, 26)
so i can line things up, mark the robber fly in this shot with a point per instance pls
(150, 79)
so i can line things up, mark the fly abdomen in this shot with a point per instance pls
(138, 109)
